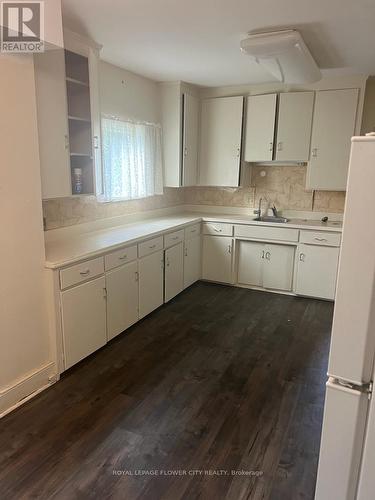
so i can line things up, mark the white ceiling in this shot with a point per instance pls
(198, 40)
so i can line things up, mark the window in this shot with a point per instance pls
(132, 160)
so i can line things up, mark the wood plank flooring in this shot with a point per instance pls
(220, 379)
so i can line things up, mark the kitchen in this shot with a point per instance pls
(183, 228)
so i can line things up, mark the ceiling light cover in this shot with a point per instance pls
(284, 54)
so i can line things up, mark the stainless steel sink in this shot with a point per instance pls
(271, 218)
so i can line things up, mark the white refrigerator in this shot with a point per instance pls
(347, 456)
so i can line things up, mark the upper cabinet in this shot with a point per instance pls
(180, 123)
(68, 110)
(52, 123)
(278, 128)
(190, 140)
(260, 127)
(294, 126)
(220, 141)
(333, 125)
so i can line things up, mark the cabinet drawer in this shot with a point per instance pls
(121, 256)
(173, 238)
(266, 233)
(150, 246)
(192, 231)
(320, 238)
(217, 228)
(81, 272)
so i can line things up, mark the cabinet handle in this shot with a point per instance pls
(279, 146)
(84, 273)
(66, 141)
(167, 262)
(320, 239)
(302, 257)
(136, 275)
(151, 247)
(123, 257)
(230, 248)
(175, 238)
(268, 255)
(96, 142)
(314, 152)
(271, 146)
(186, 252)
(263, 252)
(216, 229)
(193, 231)
(104, 292)
(238, 152)
(185, 152)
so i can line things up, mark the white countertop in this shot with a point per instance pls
(76, 247)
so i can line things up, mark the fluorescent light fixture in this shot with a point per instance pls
(284, 54)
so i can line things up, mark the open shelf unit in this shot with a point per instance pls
(79, 122)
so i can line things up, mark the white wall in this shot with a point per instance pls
(127, 95)
(24, 343)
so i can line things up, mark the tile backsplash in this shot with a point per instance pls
(282, 185)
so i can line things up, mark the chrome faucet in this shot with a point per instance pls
(274, 210)
(259, 211)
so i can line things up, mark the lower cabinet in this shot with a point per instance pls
(83, 320)
(174, 271)
(217, 258)
(192, 261)
(317, 271)
(122, 298)
(151, 283)
(266, 265)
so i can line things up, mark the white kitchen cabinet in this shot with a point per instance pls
(52, 113)
(317, 271)
(217, 258)
(250, 264)
(294, 126)
(278, 264)
(122, 298)
(333, 126)
(151, 282)
(192, 260)
(180, 123)
(220, 141)
(83, 310)
(174, 271)
(266, 265)
(260, 127)
(190, 140)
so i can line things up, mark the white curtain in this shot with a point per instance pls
(132, 160)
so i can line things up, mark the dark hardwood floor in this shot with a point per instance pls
(221, 379)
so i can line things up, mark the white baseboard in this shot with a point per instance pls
(15, 395)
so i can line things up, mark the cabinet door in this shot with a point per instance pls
(52, 124)
(95, 119)
(83, 320)
(317, 271)
(220, 141)
(333, 126)
(278, 267)
(122, 298)
(192, 261)
(250, 263)
(190, 140)
(294, 126)
(217, 258)
(151, 283)
(260, 127)
(174, 271)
